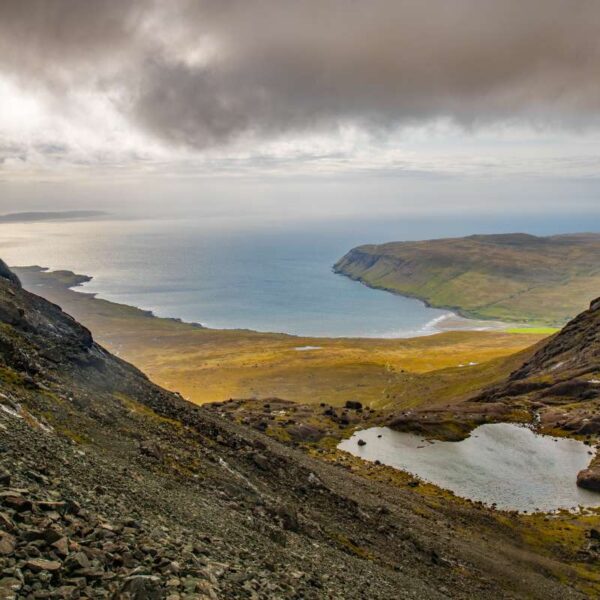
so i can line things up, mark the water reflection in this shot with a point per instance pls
(501, 463)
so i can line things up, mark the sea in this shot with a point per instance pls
(273, 277)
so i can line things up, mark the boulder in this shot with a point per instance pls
(302, 432)
(261, 461)
(40, 564)
(7, 543)
(589, 479)
(9, 588)
(143, 587)
(288, 517)
(6, 522)
(152, 449)
(17, 502)
(353, 405)
(61, 546)
(77, 561)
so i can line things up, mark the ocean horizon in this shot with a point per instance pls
(272, 279)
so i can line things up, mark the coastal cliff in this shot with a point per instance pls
(510, 277)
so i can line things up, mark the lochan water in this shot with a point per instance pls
(503, 464)
(272, 277)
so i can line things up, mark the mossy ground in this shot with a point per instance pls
(534, 330)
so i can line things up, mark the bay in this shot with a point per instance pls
(273, 277)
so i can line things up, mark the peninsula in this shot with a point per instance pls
(50, 215)
(511, 277)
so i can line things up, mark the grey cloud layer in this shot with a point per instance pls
(202, 73)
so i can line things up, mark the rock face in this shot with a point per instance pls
(111, 487)
(7, 274)
(568, 355)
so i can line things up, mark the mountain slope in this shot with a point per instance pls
(113, 487)
(514, 277)
(561, 382)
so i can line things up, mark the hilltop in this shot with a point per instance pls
(511, 277)
(113, 487)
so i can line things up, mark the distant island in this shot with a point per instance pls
(510, 277)
(54, 215)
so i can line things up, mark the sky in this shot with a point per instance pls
(306, 107)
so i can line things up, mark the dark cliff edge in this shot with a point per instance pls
(6, 273)
(111, 487)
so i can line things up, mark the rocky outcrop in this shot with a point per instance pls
(571, 353)
(589, 479)
(7, 274)
(557, 390)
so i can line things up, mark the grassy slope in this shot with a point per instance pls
(451, 385)
(208, 364)
(513, 277)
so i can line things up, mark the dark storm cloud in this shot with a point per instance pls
(50, 41)
(202, 73)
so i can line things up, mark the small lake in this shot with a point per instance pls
(499, 463)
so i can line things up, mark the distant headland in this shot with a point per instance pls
(52, 215)
(509, 277)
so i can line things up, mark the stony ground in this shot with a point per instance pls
(111, 487)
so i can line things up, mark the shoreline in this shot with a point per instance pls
(450, 321)
(456, 310)
(207, 365)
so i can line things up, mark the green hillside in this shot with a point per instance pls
(511, 277)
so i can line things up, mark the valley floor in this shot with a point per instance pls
(207, 365)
